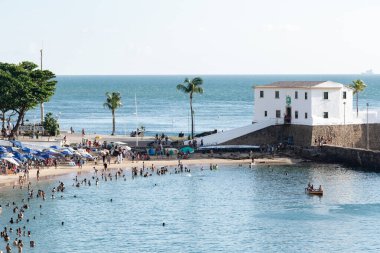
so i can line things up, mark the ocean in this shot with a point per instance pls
(227, 101)
(232, 209)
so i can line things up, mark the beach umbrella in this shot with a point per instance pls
(11, 149)
(51, 150)
(47, 155)
(55, 147)
(17, 160)
(187, 150)
(88, 156)
(11, 160)
(17, 143)
(29, 156)
(66, 152)
(2, 149)
(26, 150)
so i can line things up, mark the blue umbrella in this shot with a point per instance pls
(11, 149)
(2, 149)
(29, 156)
(66, 152)
(55, 147)
(17, 143)
(46, 156)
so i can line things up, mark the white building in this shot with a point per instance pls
(304, 103)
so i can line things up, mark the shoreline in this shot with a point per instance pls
(52, 172)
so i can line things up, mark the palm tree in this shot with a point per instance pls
(357, 86)
(113, 102)
(190, 87)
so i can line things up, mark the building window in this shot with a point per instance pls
(325, 95)
(296, 114)
(305, 115)
(305, 95)
(296, 95)
(344, 94)
(261, 93)
(265, 113)
(278, 113)
(326, 115)
(277, 94)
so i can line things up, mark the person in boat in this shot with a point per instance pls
(308, 185)
(320, 188)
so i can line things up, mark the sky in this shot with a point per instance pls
(149, 37)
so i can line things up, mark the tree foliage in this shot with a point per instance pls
(190, 87)
(357, 86)
(51, 125)
(113, 102)
(22, 87)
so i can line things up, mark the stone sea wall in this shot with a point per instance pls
(353, 136)
(354, 157)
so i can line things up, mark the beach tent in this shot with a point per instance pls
(187, 150)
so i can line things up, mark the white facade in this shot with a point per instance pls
(304, 103)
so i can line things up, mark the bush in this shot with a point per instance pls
(51, 125)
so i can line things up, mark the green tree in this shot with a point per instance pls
(191, 87)
(357, 86)
(113, 102)
(27, 86)
(51, 125)
(6, 94)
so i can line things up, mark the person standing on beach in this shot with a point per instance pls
(38, 174)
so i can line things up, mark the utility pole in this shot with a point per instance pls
(42, 104)
(367, 128)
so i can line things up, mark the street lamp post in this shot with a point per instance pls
(367, 128)
(344, 113)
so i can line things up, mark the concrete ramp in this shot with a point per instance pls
(221, 137)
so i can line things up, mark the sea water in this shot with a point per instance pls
(232, 209)
(227, 102)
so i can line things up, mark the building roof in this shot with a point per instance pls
(301, 84)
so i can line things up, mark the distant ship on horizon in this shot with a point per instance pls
(368, 72)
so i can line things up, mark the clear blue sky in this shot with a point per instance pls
(193, 36)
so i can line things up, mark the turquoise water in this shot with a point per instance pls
(226, 103)
(233, 209)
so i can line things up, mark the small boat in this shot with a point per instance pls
(314, 191)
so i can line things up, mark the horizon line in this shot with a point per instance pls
(359, 74)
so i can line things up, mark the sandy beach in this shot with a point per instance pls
(49, 172)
